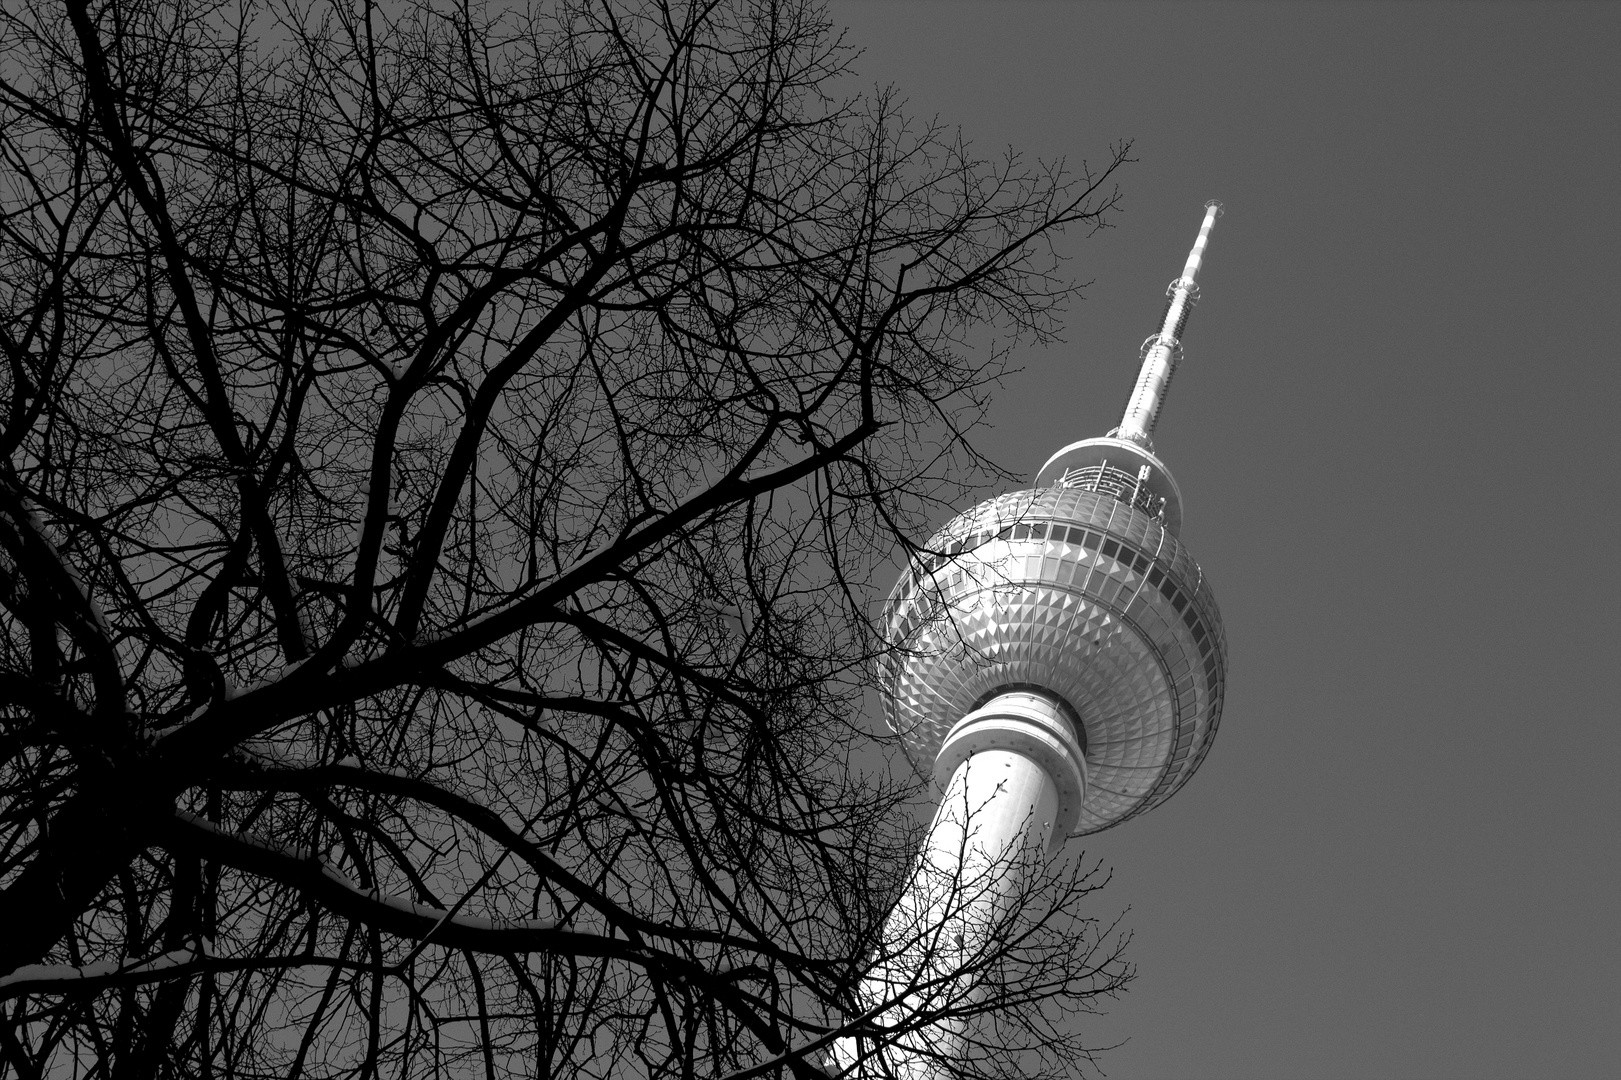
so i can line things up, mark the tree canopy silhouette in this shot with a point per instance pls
(449, 455)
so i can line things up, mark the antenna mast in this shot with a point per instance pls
(1162, 351)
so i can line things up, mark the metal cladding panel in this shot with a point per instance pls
(1080, 594)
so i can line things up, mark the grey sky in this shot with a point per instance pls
(1396, 430)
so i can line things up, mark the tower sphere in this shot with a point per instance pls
(1079, 596)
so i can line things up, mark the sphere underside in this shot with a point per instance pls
(1084, 597)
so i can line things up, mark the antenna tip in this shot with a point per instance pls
(1220, 209)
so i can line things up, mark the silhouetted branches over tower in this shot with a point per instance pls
(445, 458)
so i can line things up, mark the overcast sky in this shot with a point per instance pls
(1396, 432)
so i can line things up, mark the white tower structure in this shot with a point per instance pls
(1059, 668)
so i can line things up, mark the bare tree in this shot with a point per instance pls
(447, 458)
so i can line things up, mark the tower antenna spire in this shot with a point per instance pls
(1162, 350)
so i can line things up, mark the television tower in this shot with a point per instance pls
(1058, 667)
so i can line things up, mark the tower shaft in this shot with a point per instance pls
(1016, 778)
